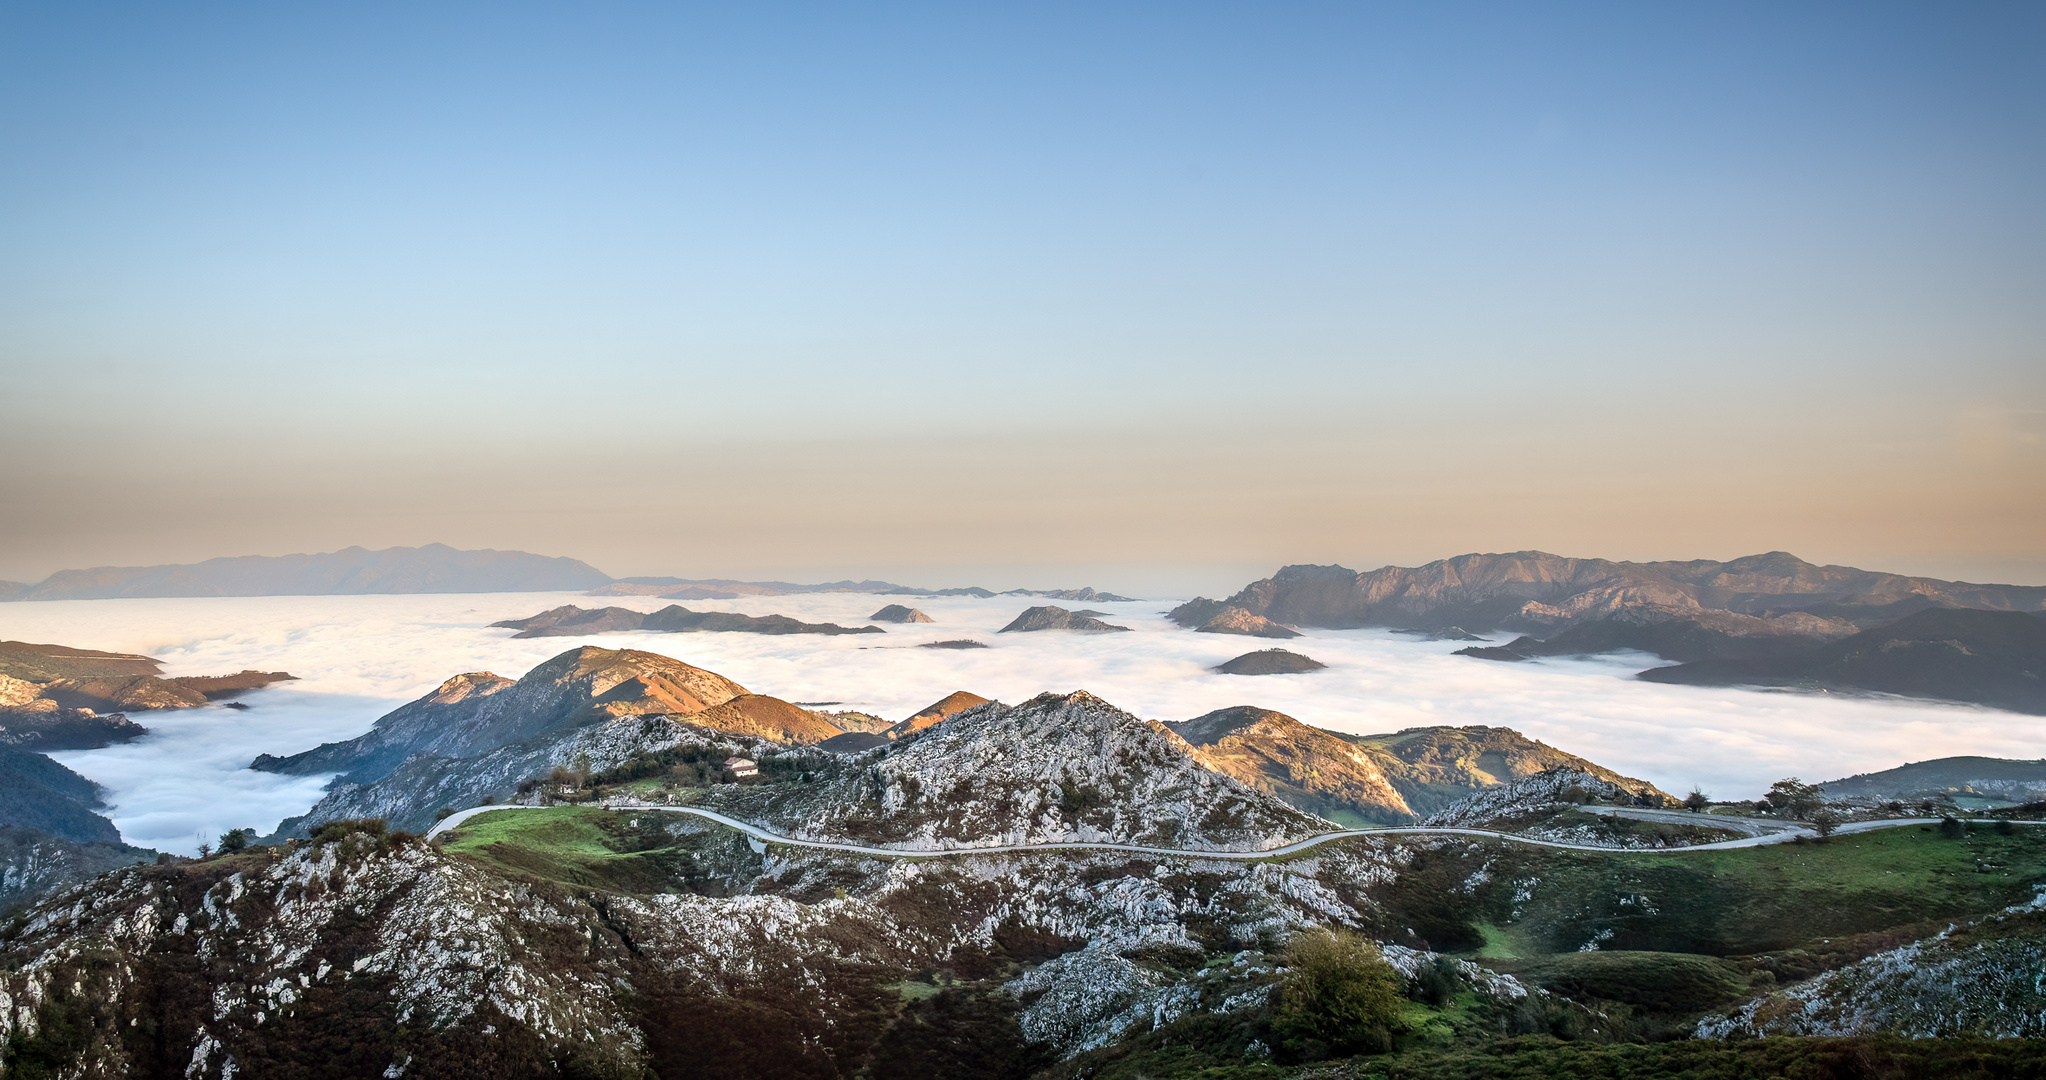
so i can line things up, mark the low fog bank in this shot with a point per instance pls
(360, 656)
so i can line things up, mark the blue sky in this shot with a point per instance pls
(622, 265)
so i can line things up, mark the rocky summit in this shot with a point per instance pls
(1235, 620)
(1053, 617)
(1056, 767)
(943, 708)
(480, 711)
(1269, 662)
(897, 613)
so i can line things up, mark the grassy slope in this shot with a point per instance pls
(1678, 934)
(587, 846)
(1690, 933)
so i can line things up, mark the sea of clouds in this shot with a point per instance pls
(357, 657)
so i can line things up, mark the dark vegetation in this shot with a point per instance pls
(1987, 657)
(1171, 1054)
(1339, 996)
(38, 793)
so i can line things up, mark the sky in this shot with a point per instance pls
(1154, 297)
(358, 657)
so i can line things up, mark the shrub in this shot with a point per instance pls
(234, 840)
(1340, 992)
(340, 829)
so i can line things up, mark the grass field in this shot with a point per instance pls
(588, 846)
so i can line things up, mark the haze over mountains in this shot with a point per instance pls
(354, 570)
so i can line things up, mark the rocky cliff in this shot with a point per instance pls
(53, 697)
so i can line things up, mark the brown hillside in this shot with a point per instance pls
(956, 701)
(765, 717)
(1312, 769)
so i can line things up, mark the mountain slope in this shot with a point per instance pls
(48, 663)
(941, 709)
(1315, 770)
(38, 793)
(770, 718)
(2011, 780)
(1386, 779)
(474, 713)
(1056, 767)
(1986, 657)
(433, 568)
(1434, 767)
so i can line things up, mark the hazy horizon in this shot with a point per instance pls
(1152, 580)
(818, 291)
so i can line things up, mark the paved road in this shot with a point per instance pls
(760, 837)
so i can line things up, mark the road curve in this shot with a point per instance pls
(763, 836)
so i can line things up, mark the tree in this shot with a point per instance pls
(443, 813)
(1697, 800)
(234, 840)
(1825, 821)
(1792, 797)
(1338, 991)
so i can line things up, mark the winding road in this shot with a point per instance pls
(1761, 832)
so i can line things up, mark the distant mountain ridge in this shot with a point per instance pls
(571, 621)
(1537, 592)
(435, 568)
(1769, 619)
(2006, 779)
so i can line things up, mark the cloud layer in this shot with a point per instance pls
(358, 657)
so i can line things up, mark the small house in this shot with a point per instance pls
(742, 767)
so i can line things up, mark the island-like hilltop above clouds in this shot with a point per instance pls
(1763, 620)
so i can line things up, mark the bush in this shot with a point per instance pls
(1952, 829)
(341, 829)
(1340, 993)
(235, 840)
